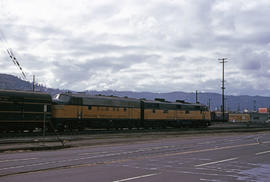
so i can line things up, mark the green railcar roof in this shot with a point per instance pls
(25, 96)
(106, 100)
(130, 102)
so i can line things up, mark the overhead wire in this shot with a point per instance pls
(11, 54)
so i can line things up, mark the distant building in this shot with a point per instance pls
(263, 110)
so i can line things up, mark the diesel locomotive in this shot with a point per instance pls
(20, 110)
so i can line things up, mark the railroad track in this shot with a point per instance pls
(215, 128)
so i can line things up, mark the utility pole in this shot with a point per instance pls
(33, 83)
(196, 96)
(254, 105)
(44, 119)
(223, 88)
(209, 103)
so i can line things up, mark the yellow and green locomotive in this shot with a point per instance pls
(81, 111)
(84, 111)
(25, 110)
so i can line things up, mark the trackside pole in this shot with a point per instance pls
(44, 119)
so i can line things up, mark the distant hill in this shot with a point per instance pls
(10, 82)
(233, 103)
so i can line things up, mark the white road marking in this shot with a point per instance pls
(15, 160)
(137, 177)
(91, 153)
(216, 162)
(209, 142)
(107, 154)
(208, 179)
(259, 153)
(29, 165)
(136, 151)
(258, 140)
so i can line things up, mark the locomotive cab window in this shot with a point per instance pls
(125, 109)
(76, 101)
(179, 107)
(154, 111)
(89, 107)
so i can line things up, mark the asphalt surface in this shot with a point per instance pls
(212, 157)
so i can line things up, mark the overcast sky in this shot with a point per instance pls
(139, 45)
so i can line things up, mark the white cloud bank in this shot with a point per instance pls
(158, 45)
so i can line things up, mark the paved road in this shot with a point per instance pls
(225, 157)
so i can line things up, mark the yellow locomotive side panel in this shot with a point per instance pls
(180, 115)
(190, 115)
(91, 112)
(176, 115)
(196, 115)
(207, 115)
(110, 112)
(65, 111)
(150, 114)
(193, 115)
(135, 113)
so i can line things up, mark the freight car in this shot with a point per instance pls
(217, 116)
(81, 111)
(239, 117)
(21, 110)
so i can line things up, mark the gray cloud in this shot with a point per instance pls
(252, 65)
(156, 46)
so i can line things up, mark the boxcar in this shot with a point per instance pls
(239, 117)
(217, 116)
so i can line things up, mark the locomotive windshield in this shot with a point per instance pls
(56, 96)
(62, 98)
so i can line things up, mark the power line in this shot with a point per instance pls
(15, 61)
(11, 54)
